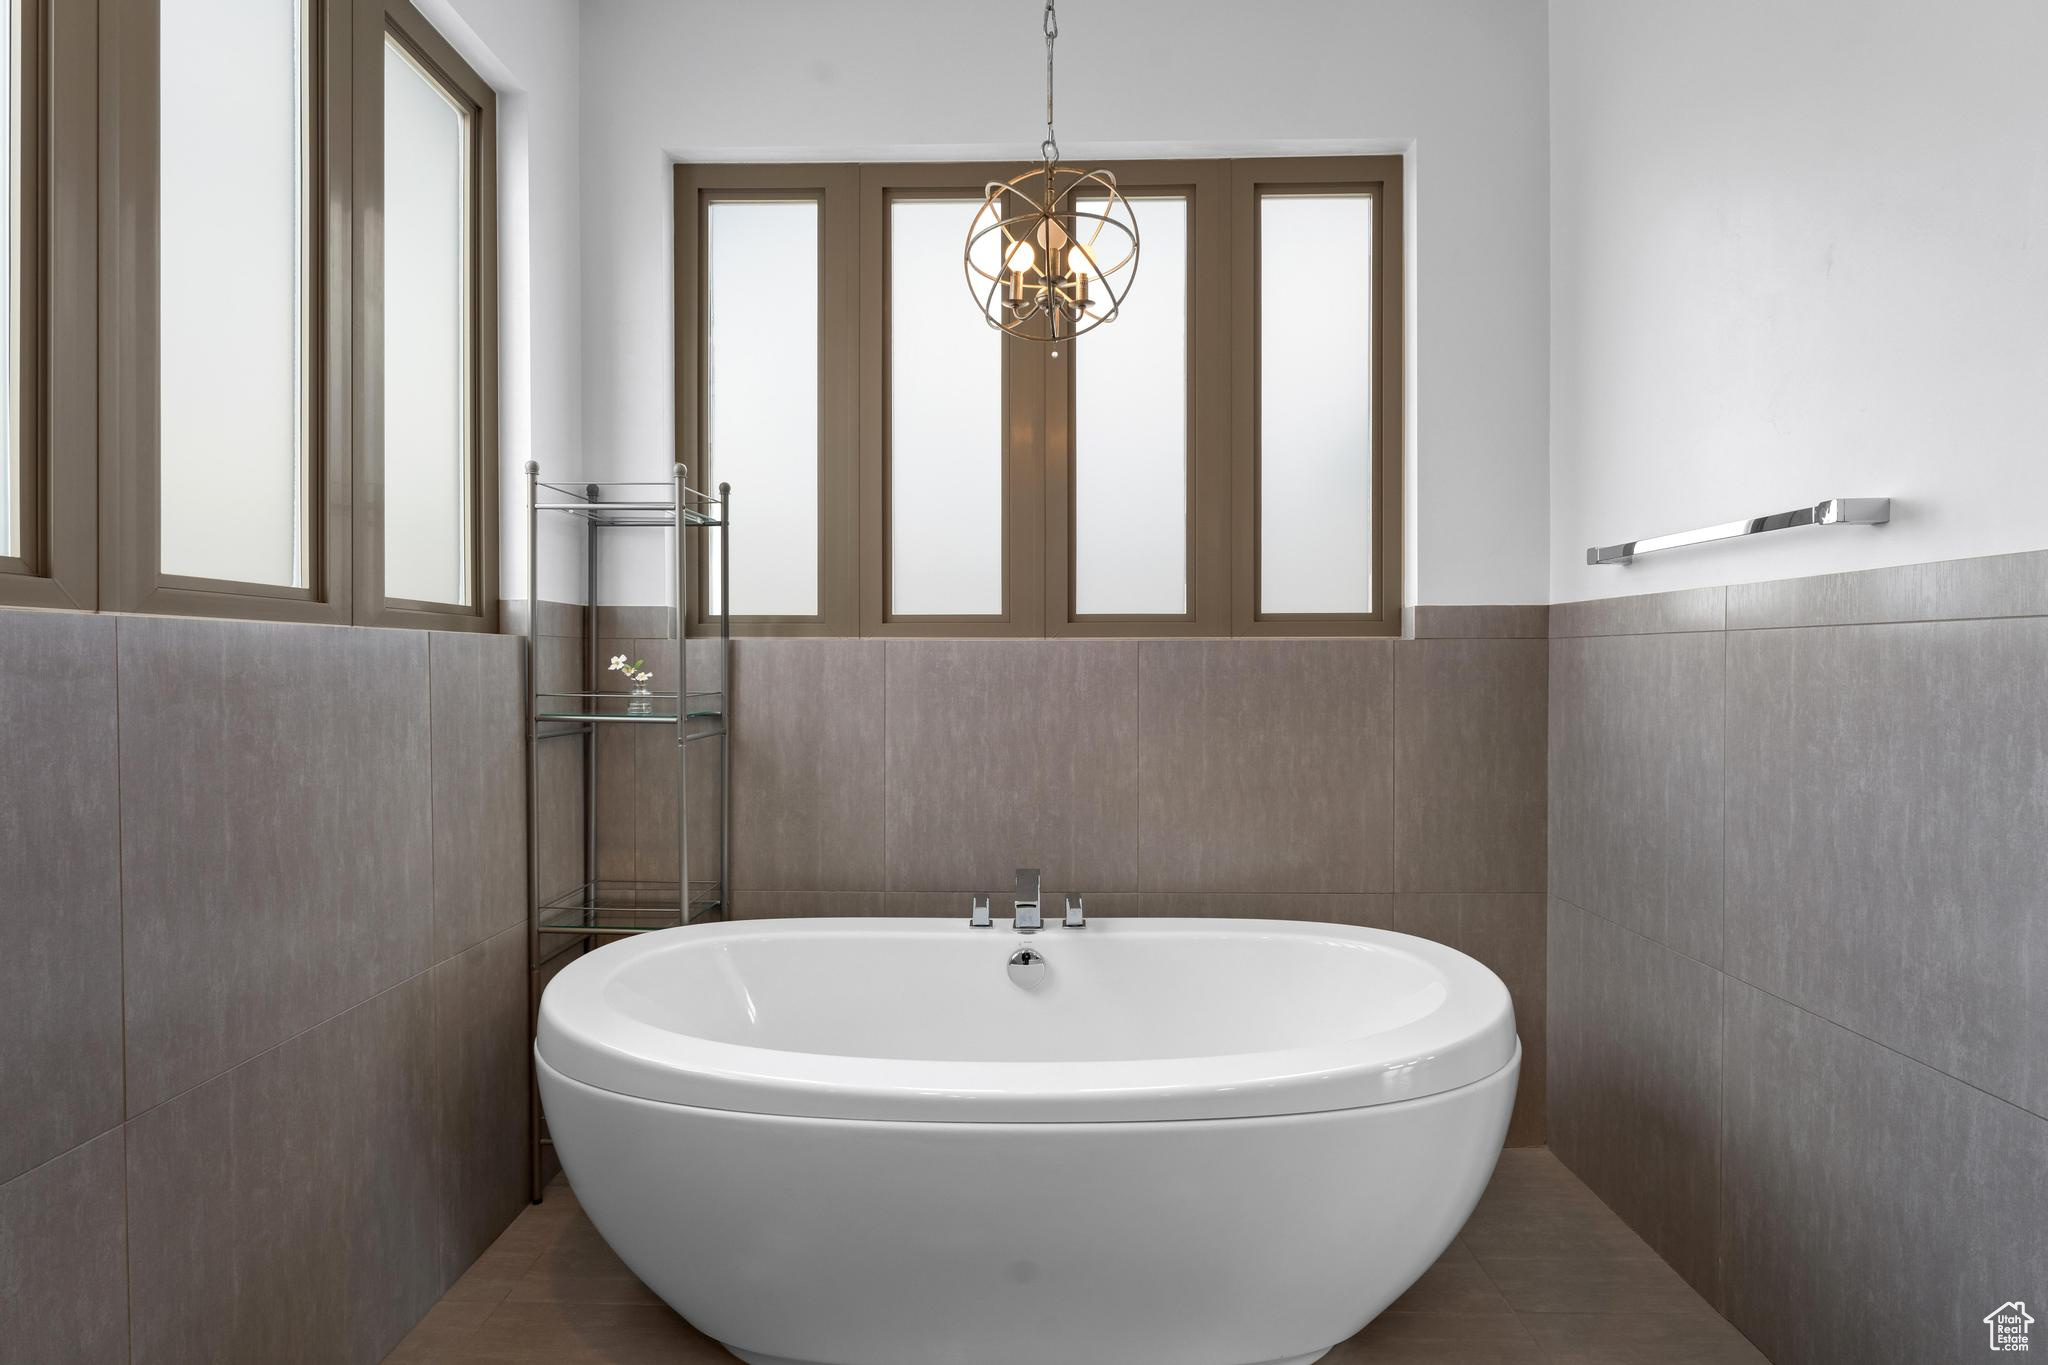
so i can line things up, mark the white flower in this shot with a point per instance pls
(618, 662)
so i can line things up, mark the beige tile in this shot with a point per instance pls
(1637, 1338)
(556, 1333)
(1266, 765)
(287, 1210)
(1871, 1208)
(276, 829)
(1993, 585)
(558, 664)
(1493, 622)
(477, 720)
(1506, 933)
(1470, 775)
(1535, 1208)
(1590, 1284)
(1455, 1284)
(1635, 808)
(807, 765)
(1372, 909)
(491, 1276)
(63, 1269)
(1636, 1082)
(1012, 753)
(559, 819)
(809, 904)
(1653, 613)
(619, 797)
(1886, 868)
(60, 886)
(441, 1334)
(578, 1267)
(1440, 1339)
(481, 1098)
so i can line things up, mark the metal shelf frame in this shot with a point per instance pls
(597, 908)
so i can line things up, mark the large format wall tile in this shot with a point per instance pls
(1886, 861)
(807, 765)
(1654, 613)
(1635, 1082)
(1995, 585)
(276, 809)
(1266, 765)
(480, 1041)
(1469, 777)
(1874, 1209)
(1012, 753)
(60, 887)
(63, 1266)
(287, 1210)
(1479, 623)
(478, 699)
(1635, 783)
(1507, 934)
(558, 818)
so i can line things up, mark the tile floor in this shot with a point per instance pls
(1544, 1274)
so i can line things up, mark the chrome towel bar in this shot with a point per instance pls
(1832, 512)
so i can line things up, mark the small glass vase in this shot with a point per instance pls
(640, 702)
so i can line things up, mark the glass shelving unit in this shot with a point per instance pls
(600, 908)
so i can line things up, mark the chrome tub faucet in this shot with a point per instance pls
(1026, 912)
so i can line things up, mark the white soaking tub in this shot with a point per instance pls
(1192, 1142)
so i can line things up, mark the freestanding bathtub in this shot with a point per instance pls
(1191, 1142)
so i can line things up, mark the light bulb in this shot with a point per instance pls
(1022, 259)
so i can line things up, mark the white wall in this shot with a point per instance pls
(1458, 84)
(530, 52)
(1798, 251)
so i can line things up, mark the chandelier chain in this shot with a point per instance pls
(1050, 148)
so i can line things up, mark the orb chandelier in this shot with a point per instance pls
(1052, 252)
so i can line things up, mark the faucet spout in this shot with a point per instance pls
(1027, 917)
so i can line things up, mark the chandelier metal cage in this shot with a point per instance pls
(1052, 253)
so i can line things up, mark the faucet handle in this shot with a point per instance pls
(1077, 917)
(978, 918)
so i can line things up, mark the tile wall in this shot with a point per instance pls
(1390, 783)
(264, 1093)
(1798, 957)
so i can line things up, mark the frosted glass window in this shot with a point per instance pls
(761, 398)
(945, 423)
(233, 290)
(10, 270)
(1131, 436)
(1315, 403)
(426, 336)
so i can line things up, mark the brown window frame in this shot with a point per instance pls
(343, 525)
(1380, 177)
(1205, 185)
(433, 53)
(1038, 406)
(56, 416)
(835, 189)
(1023, 516)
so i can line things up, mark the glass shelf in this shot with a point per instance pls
(609, 706)
(614, 907)
(629, 504)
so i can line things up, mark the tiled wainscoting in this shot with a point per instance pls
(263, 1093)
(1397, 783)
(1799, 945)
